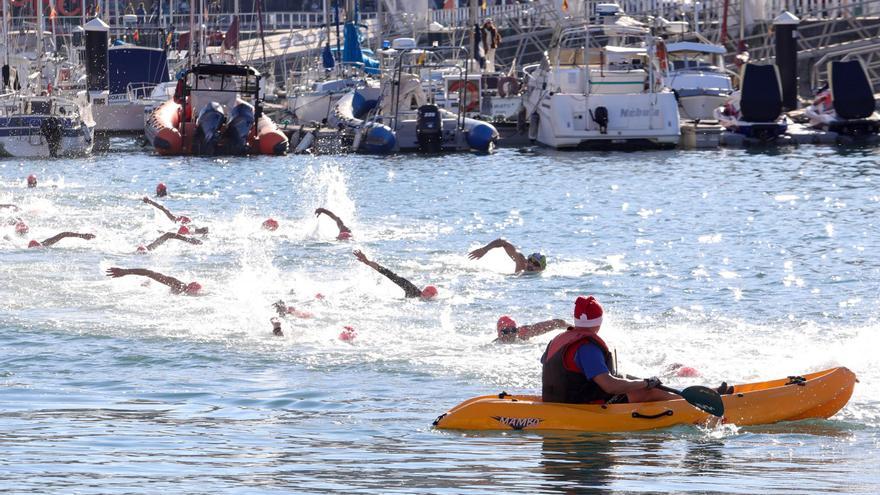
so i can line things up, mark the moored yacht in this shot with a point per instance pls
(698, 78)
(583, 96)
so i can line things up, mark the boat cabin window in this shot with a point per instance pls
(39, 107)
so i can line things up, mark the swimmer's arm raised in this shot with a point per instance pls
(161, 208)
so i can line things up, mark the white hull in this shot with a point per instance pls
(312, 107)
(700, 107)
(35, 146)
(564, 120)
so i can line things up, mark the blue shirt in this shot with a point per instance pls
(591, 360)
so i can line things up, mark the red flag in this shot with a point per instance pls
(137, 36)
(183, 41)
(231, 39)
(449, 5)
(52, 13)
(565, 5)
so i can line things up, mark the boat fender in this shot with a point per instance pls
(482, 137)
(304, 143)
(508, 86)
(534, 122)
(358, 136)
(51, 130)
(601, 118)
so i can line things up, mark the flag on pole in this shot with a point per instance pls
(565, 5)
(484, 6)
(52, 14)
(449, 5)
(137, 36)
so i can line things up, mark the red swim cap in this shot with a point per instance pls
(429, 291)
(32, 180)
(344, 236)
(141, 249)
(34, 244)
(193, 288)
(21, 228)
(183, 219)
(318, 295)
(270, 224)
(505, 322)
(183, 230)
(161, 190)
(348, 334)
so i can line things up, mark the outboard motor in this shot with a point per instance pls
(51, 130)
(235, 136)
(429, 129)
(601, 118)
(208, 129)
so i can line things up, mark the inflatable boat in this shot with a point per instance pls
(208, 116)
(811, 396)
(755, 111)
(847, 105)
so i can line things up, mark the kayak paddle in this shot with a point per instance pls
(703, 398)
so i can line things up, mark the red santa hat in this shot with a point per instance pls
(587, 312)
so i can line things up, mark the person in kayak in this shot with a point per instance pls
(57, 237)
(578, 367)
(177, 287)
(509, 332)
(165, 237)
(408, 287)
(535, 262)
(344, 232)
(183, 220)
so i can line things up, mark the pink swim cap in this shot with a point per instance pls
(344, 236)
(505, 322)
(161, 190)
(34, 244)
(183, 230)
(21, 228)
(348, 334)
(318, 295)
(270, 224)
(687, 372)
(141, 249)
(32, 180)
(429, 291)
(183, 219)
(193, 288)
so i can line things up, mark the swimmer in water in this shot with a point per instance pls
(535, 262)
(408, 287)
(344, 232)
(161, 190)
(32, 181)
(184, 220)
(166, 236)
(509, 332)
(57, 237)
(177, 287)
(14, 207)
(283, 310)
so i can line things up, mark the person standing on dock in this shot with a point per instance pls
(408, 287)
(535, 262)
(344, 232)
(491, 41)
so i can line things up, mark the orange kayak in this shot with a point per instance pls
(814, 395)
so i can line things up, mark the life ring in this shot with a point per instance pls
(662, 56)
(472, 93)
(61, 9)
(508, 86)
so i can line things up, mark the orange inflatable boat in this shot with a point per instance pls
(208, 116)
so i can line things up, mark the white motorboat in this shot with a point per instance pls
(583, 96)
(43, 127)
(847, 105)
(698, 78)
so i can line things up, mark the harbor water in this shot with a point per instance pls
(746, 265)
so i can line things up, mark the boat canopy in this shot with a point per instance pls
(693, 46)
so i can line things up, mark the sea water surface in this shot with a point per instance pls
(746, 265)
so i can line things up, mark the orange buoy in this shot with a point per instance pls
(162, 129)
